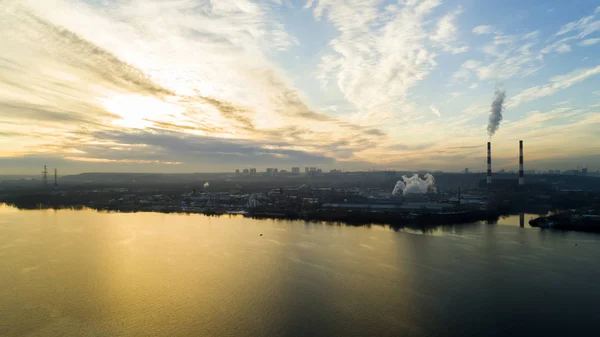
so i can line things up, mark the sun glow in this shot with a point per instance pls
(137, 111)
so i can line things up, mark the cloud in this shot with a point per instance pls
(483, 30)
(104, 67)
(466, 69)
(446, 34)
(173, 147)
(309, 3)
(504, 57)
(563, 48)
(575, 30)
(589, 42)
(557, 83)
(559, 46)
(435, 110)
(211, 84)
(531, 36)
(509, 56)
(417, 147)
(584, 26)
(379, 54)
(126, 161)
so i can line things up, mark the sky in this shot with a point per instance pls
(204, 86)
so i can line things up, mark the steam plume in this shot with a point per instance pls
(496, 112)
(415, 185)
(206, 184)
(255, 200)
(399, 188)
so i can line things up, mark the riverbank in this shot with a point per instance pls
(393, 219)
(583, 220)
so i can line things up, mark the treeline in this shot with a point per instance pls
(393, 219)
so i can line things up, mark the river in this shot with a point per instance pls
(85, 273)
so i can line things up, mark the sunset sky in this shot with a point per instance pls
(204, 86)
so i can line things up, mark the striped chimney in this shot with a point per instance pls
(521, 176)
(489, 162)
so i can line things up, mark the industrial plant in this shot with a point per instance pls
(386, 197)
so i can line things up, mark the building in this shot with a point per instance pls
(296, 170)
(252, 171)
(237, 172)
(275, 171)
(269, 171)
(246, 172)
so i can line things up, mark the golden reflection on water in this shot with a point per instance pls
(76, 273)
(71, 271)
(79, 270)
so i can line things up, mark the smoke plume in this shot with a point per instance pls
(496, 112)
(415, 185)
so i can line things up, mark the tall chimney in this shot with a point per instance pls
(489, 162)
(521, 176)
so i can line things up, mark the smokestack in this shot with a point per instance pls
(489, 162)
(521, 176)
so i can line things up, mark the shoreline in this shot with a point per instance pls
(578, 221)
(565, 221)
(394, 220)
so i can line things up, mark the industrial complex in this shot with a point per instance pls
(387, 197)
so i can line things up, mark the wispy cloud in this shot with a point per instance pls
(379, 54)
(192, 84)
(509, 56)
(122, 161)
(121, 73)
(446, 34)
(483, 30)
(435, 110)
(572, 31)
(584, 26)
(589, 42)
(557, 83)
(505, 56)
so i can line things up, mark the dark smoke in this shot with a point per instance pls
(496, 112)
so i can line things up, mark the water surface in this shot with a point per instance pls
(83, 273)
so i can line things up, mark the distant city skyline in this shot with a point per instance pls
(214, 86)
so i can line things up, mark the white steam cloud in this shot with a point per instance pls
(399, 188)
(255, 200)
(496, 112)
(206, 184)
(415, 185)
